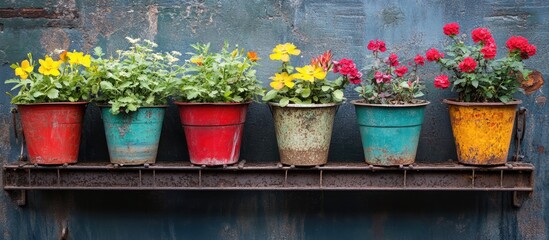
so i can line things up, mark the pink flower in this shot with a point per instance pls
(377, 45)
(468, 65)
(419, 60)
(379, 77)
(393, 60)
(481, 35)
(387, 78)
(442, 82)
(355, 78)
(433, 55)
(451, 29)
(401, 71)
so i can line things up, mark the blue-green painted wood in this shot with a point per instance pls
(345, 26)
(389, 134)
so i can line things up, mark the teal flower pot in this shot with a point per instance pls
(132, 138)
(390, 133)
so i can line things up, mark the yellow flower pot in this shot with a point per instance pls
(482, 131)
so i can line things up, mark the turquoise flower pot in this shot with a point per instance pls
(390, 133)
(132, 138)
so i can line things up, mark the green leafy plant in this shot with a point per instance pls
(56, 80)
(225, 76)
(476, 75)
(137, 77)
(389, 82)
(308, 84)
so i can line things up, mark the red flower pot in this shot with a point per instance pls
(52, 131)
(213, 131)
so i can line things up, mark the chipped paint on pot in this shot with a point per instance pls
(482, 131)
(303, 132)
(132, 138)
(213, 131)
(52, 131)
(389, 133)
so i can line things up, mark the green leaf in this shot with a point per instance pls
(106, 85)
(53, 93)
(338, 95)
(270, 95)
(504, 99)
(306, 92)
(37, 94)
(325, 88)
(475, 83)
(284, 102)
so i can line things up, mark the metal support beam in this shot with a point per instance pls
(513, 177)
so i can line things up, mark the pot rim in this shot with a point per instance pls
(453, 101)
(211, 103)
(156, 106)
(358, 103)
(313, 105)
(51, 103)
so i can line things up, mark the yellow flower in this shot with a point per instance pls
(86, 61)
(79, 58)
(197, 60)
(24, 69)
(282, 52)
(234, 53)
(253, 56)
(49, 67)
(282, 79)
(309, 73)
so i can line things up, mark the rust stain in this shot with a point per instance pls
(533, 83)
(541, 101)
(152, 19)
(541, 149)
(53, 39)
(27, 13)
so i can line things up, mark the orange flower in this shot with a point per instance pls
(253, 56)
(63, 56)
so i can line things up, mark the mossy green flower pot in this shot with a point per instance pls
(303, 132)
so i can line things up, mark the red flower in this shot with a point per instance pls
(521, 45)
(490, 49)
(323, 61)
(344, 66)
(419, 60)
(433, 55)
(468, 65)
(442, 82)
(489, 52)
(481, 34)
(355, 78)
(393, 60)
(377, 45)
(347, 68)
(451, 29)
(531, 50)
(401, 71)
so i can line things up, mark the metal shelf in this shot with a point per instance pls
(512, 177)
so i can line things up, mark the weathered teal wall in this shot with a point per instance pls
(345, 26)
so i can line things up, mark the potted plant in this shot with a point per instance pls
(304, 103)
(389, 113)
(483, 114)
(132, 90)
(51, 102)
(213, 97)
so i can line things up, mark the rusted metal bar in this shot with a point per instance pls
(270, 176)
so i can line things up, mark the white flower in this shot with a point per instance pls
(133, 40)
